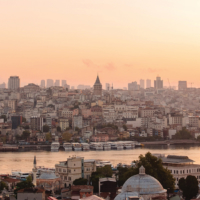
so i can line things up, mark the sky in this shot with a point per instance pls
(121, 40)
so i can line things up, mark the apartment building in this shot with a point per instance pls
(36, 123)
(194, 121)
(175, 119)
(75, 168)
(146, 112)
(63, 123)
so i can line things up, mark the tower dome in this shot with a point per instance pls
(142, 184)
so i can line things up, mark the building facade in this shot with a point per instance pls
(14, 83)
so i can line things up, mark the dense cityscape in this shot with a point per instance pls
(99, 100)
(54, 117)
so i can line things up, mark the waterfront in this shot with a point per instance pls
(24, 160)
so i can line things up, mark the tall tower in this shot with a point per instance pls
(34, 170)
(97, 87)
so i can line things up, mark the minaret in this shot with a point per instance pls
(34, 172)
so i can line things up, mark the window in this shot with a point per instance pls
(64, 170)
(69, 178)
(59, 169)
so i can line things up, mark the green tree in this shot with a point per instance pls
(26, 127)
(24, 184)
(25, 135)
(3, 185)
(153, 167)
(48, 136)
(80, 181)
(58, 129)
(189, 186)
(66, 136)
(183, 134)
(125, 127)
(4, 117)
(45, 128)
(102, 172)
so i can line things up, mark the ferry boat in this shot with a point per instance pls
(55, 146)
(96, 146)
(77, 146)
(67, 146)
(15, 174)
(117, 146)
(85, 146)
(127, 145)
(106, 146)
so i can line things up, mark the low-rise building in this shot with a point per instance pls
(74, 168)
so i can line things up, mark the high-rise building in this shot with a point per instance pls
(158, 83)
(49, 83)
(133, 86)
(97, 87)
(42, 84)
(148, 83)
(16, 121)
(107, 86)
(142, 83)
(182, 85)
(14, 83)
(36, 123)
(57, 83)
(64, 82)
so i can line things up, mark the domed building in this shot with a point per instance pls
(143, 186)
(97, 87)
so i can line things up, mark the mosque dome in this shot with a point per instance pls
(143, 184)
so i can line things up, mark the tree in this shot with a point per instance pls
(80, 181)
(24, 184)
(153, 167)
(183, 134)
(58, 129)
(3, 185)
(189, 186)
(48, 137)
(66, 136)
(4, 117)
(125, 127)
(45, 128)
(102, 172)
(26, 127)
(25, 135)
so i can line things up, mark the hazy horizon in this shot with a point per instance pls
(122, 41)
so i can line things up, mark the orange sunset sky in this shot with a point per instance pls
(121, 40)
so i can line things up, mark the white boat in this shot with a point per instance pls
(77, 146)
(127, 145)
(117, 146)
(85, 146)
(15, 174)
(96, 146)
(55, 146)
(67, 146)
(106, 146)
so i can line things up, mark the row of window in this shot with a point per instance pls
(184, 171)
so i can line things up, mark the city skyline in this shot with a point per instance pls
(72, 41)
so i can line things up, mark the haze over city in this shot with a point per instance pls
(123, 41)
(99, 100)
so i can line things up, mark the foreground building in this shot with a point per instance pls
(74, 168)
(181, 167)
(142, 186)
